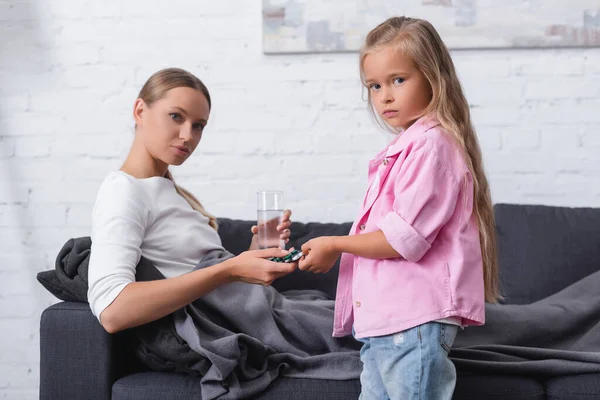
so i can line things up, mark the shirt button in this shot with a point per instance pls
(385, 161)
(358, 304)
(362, 227)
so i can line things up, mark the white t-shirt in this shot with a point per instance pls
(142, 217)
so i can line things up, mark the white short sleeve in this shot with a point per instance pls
(119, 220)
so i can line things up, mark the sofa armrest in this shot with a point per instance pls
(76, 354)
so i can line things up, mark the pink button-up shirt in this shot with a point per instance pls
(421, 196)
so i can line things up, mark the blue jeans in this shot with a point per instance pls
(409, 365)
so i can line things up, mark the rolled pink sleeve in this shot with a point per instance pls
(425, 199)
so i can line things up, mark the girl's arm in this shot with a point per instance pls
(368, 245)
(141, 302)
(322, 252)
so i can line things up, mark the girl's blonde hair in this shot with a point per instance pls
(418, 39)
(155, 89)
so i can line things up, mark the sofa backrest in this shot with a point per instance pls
(543, 249)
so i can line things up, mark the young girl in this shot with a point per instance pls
(140, 211)
(420, 260)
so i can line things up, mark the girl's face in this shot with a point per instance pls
(172, 127)
(399, 91)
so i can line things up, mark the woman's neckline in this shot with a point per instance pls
(149, 179)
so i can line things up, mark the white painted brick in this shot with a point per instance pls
(540, 184)
(490, 138)
(267, 119)
(481, 64)
(540, 63)
(18, 330)
(368, 145)
(21, 351)
(340, 120)
(491, 93)
(52, 239)
(13, 241)
(576, 184)
(15, 11)
(19, 394)
(33, 146)
(32, 124)
(78, 54)
(47, 215)
(7, 147)
(517, 162)
(82, 169)
(92, 145)
(66, 101)
(79, 215)
(331, 189)
(20, 376)
(495, 115)
(35, 170)
(22, 258)
(72, 191)
(517, 138)
(563, 112)
(556, 138)
(63, 9)
(97, 76)
(81, 30)
(21, 306)
(16, 283)
(342, 92)
(591, 136)
(173, 8)
(320, 166)
(565, 88)
(14, 193)
(592, 62)
(13, 103)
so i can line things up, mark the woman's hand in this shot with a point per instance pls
(283, 228)
(320, 255)
(252, 267)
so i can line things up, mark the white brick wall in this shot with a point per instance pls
(69, 73)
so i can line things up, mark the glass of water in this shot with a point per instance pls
(269, 213)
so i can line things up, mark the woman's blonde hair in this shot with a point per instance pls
(155, 89)
(418, 39)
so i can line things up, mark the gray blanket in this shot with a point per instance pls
(240, 337)
(237, 339)
(558, 335)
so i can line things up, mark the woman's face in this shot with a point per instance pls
(171, 127)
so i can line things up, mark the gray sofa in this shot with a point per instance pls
(541, 249)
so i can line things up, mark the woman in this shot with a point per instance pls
(140, 211)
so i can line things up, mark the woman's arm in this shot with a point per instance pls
(119, 221)
(141, 302)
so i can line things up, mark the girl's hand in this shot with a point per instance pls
(320, 255)
(252, 267)
(283, 228)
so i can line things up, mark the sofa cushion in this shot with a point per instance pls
(574, 387)
(479, 387)
(167, 386)
(543, 249)
(157, 386)
(236, 236)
